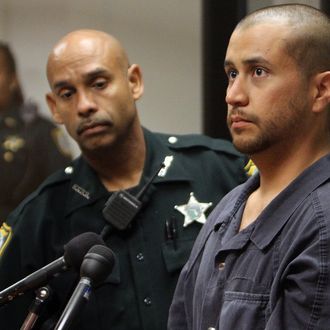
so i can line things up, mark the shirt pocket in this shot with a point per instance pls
(176, 253)
(243, 311)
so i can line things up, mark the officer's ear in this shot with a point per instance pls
(52, 106)
(135, 81)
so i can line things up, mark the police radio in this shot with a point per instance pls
(121, 208)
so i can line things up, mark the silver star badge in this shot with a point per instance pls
(193, 210)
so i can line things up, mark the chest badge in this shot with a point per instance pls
(193, 210)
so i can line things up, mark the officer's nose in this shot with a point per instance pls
(86, 104)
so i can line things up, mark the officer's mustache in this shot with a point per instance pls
(90, 123)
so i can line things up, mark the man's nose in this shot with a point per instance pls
(85, 103)
(237, 93)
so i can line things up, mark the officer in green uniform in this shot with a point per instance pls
(30, 146)
(94, 90)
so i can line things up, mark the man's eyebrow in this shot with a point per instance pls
(60, 84)
(253, 60)
(87, 77)
(96, 73)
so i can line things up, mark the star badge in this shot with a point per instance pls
(193, 210)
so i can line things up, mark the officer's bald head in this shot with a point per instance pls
(80, 44)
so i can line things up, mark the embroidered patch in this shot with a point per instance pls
(5, 236)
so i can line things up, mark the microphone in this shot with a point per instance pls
(122, 207)
(74, 252)
(95, 268)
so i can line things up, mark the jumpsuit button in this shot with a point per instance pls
(221, 265)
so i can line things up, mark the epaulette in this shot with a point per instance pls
(199, 141)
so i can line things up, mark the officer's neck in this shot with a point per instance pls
(121, 167)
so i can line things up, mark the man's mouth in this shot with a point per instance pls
(93, 127)
(238, 121)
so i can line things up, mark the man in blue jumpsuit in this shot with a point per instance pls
(262, 261)
(93, 93)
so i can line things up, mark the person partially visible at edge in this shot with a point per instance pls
(31, 147)
(262, 261)
(94, 89)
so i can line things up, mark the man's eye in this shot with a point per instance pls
(232, 74)
(100, 84)
(65, 94)
(259, 72)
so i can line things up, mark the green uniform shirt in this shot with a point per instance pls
(138, 293)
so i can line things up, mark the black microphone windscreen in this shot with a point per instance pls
(76, 249)
(97, 264)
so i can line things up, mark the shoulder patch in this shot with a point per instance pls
(5, 237)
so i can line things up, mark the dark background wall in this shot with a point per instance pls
(218, 22)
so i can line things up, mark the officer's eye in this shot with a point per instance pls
(65, 94)
(100, 83)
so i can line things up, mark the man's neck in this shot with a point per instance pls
(277, 170)
(121, 167)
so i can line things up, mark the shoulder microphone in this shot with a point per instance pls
(121, 208)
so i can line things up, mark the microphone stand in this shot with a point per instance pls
(42, 294)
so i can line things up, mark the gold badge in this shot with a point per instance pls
(5, 236)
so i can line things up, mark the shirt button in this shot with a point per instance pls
(221, 265)
(68, 170)
(147, 301)
(140, 257)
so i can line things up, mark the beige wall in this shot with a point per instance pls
(256, 4)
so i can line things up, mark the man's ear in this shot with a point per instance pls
(322, 91)
(135, 81)
(52, 106)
